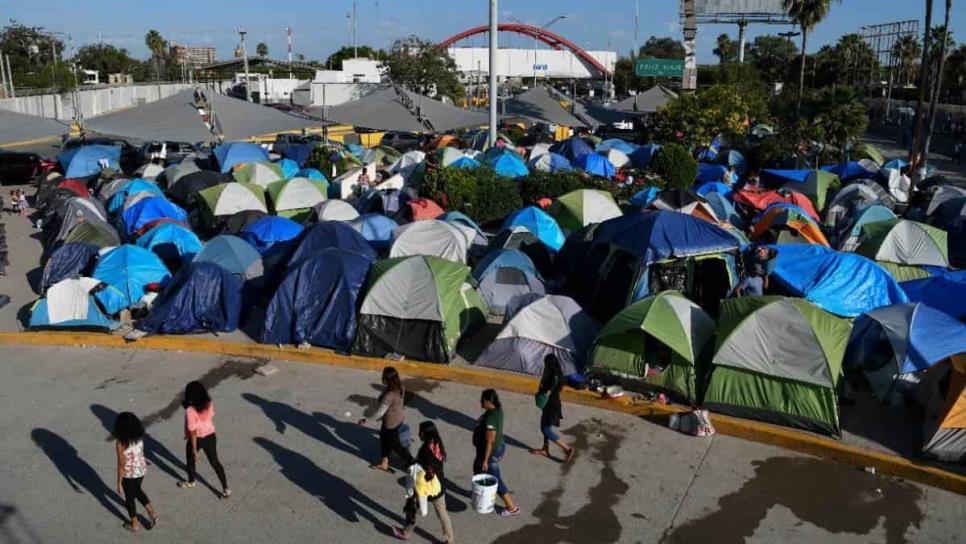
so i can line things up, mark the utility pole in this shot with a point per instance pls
(13, 91)
(248, 83)
(3, 78)
(355, 44)
(288, 32)
(742, 26)
(689, 81)
(492, 89)
(637, 18)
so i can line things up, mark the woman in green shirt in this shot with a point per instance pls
(490, 447)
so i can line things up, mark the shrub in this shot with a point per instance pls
(323, 158)
(539, 184)
(675, 166)
(480, 193)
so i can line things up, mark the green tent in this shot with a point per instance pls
(295, 198)
(577, 209)
(660, 340)
(98, 233)
(261, 173)
(418, 307)
(231, 198)
(904, 242)
(778, 360)
(868, 151)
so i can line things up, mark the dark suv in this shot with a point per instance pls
(17, 168)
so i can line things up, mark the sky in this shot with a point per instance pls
(320, 27)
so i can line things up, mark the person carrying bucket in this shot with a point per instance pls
(490, 448)
(551, 409)
(429, 461)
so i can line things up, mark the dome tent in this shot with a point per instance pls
(231, 198)
(330, 234)
(149, 212)
(538, 222)
(904, 242)
(943, 395)
(551, 324)
(202, 297)
(418, 307)
(262, 173)
(579, 208)
(172, 242)
(447, 240)
(234, 255)
(233, 153)
(335, 210)
(376, 228)
(71, 260)
(664, 332)
(295, 198)
(69, 304)
(270, 231)
(130, 270)
(504, 275)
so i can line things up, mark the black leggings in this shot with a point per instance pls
(132, 490)
(389, 442)
(210, 446)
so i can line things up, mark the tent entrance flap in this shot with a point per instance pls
(709, 281)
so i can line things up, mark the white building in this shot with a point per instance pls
(358, 70)
(523, 63)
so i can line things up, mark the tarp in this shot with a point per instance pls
(126, 190)
(71, 260)
(844, 284)
(657, 235)
(231, 153)
(644, 197)
(616, 143)
(129, 269)
(316, 302)
(330, 234)
(202, 297)
(538, 222)
(87, 160)
(714, 187)
(538, 105)
(945, 292)
(641, 157)
(18, 127)
(237, 119)
(710, 172)
(298, 153)
(387, 110)
(849, 170)
(175, 118)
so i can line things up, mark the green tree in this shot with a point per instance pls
(261, 49)
(954, 76)
(675, 166)
(725, 49)
(422, 66)
(107, 59)
(906, 51)
(771, 56)
(695, 119)
(158, 47)
(806, 14)
(943, 35)
(34, 56)
(838, 119)
(334, 62)
(849, 62)
(661, 48)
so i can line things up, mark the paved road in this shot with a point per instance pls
(298, 465)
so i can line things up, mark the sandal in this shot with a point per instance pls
(396, 532)
(506, 512)
(226, 493)
(133, 528)
(570, 455)
(377, 467)
(186, 485)
(539, 452)
(154, 523)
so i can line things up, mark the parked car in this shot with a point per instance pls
(130, 155)
(17, 168)
(284, 139)
(168, 152)
(401, 141)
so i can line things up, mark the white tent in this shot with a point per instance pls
(447, 240)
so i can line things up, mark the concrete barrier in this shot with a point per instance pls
(92, 102)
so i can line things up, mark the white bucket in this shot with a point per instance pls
(484, 493)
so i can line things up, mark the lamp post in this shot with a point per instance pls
(544, 27)
(492, 82)
(248, 83)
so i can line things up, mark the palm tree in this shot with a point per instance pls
(261, 49)
(806, 14)
(906, 50)
(726, 50)
(156, 45)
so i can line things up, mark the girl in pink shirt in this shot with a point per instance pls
(199, 432)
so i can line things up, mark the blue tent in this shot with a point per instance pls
(355, 149)
(945, 292)
(849, 170)
(234, 255)
(507, 164)
(92, 318)
(129, 269)
(558, 163)
(723, 209)
(572, 148)
(171, 242)
(659, 234)
(270, 230)
(138, 185)
(151, 210)
(896, 164)
(841, 283)
(85, 160)
(375, 228)
(466, 163)
(775, 178)
(289, 168)
(202, 297)
(616, 143)
(504, 258)
(299, 153)
(232, 153)
(71, 260)
(714, 187)
(330, 234)
(644, 197)
(736, 159)
(595, 164)
(641, 158)
(869, 214)
(311, 173)
(540, 224)
(710, 172)
(317, 301)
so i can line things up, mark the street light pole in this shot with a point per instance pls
(492, 70)
(248, 83)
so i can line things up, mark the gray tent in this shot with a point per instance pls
(397, 109)
(505, 275)
(19, 128)
(550, 324)
(648, 101)
(538, 105)
(942, 393)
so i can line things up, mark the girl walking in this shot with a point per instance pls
(551, 410)
(131, 467)
(199, 431)
(431, 456)
(490, 447)
(392, 414)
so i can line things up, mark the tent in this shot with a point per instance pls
(316, 302)
(129, 189)
(466, 163)
(231, 198)
(234, 255)
(572, 148)
(186, 189)
(943, 392)
(759, 200)
(551, 324)
(236, 222)
(376, 228)
(579, 208)
(892, 344)
(843, 284)
(444, 140)
(172, 242)
(710, 172)
(130, 270)
(623, 146)
(297, 153)
(596, 164)
(507, 164)
(95, 232)
(149, 212)
(944, 291)
(290, 168)
(504, 275)
(330, 234)
(397, 109)
(539, 106)
(420, 209)
(231, 154)
(69, 304)
(707, 187)
(896, 182)
(644, 197)
(850, 170)
(202, 297)
(89, 160)
(550, 162)
(407, 163)
(540, 223)
(641, 157)
(446, 156)
(904, 242)
(943, 193)
(311, 173)
(79, 187)
(74, 212)
(850, 234)
(417, 307)
(270, 231)
(685, 201)
(261, 173)
(447, 240)
(815, 184)
(296, 197)
(868, 151)
(852, 198)
(335, 210)
(758, 374)
(787, 223)
(724, 210)
(662, 340)
(178, 170)
(71, 260)
(18, 128)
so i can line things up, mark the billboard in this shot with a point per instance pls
(739, 7)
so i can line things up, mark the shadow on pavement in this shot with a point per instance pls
(14, 529)
(78, 473)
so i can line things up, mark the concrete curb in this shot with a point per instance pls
(749, 430)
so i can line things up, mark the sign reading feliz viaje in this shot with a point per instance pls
(659, 67)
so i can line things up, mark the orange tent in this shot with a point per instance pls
(760, 200)
(444, 140)
(778, 218)
(424, 208)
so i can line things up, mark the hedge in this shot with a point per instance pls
(480, 193)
